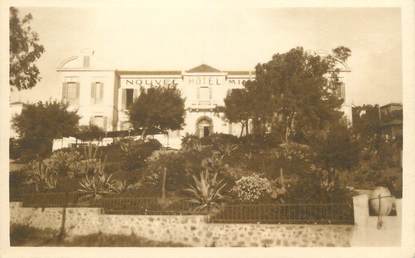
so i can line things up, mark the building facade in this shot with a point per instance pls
(102, 96)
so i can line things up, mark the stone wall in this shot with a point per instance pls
(195, 231)
(190, 230)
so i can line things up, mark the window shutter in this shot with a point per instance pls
(135, 94)
(198, 93)
(123, 98)
(104, 123)
(210, 92)
(101, 91)
(77, 92)
(93, 93)
(64, 91)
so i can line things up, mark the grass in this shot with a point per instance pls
(29, 236)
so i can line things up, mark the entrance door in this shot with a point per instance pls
(204, 127)
(206, 131)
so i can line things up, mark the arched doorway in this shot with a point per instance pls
(204, 126)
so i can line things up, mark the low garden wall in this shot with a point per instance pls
(191, 230)
(194, 230)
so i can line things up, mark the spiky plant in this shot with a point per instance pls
(93, 162)
(206, 191)
(97, 186)
(96, 183)
(42, 177)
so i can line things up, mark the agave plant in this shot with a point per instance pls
(96, 186)
(93, 163)
(206, 191)
(42, 177)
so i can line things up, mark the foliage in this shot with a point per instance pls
(294, 94)
(171, 162)
(24, 51)
(337, 151)
(40, 123)
(191, 143)
(135, 153)
(366, 124)
(98, 185)
(157, 109)
(43, 178)
(90, 132)
(206, 191)
(93, 161)
(64, 163)
(252, 188)
(237, 108)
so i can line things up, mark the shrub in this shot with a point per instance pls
(136, 152)
(191, 143)
(90, 132)
(218, 139)
(252, 188)
(64, 163)
(166, 171)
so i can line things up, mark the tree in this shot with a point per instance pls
(237, 108)
(24, 51)
(157, 109)
(295, 94)
(40, 123)
(338, 150)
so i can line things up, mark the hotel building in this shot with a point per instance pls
(102, 96)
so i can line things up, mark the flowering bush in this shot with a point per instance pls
(252, 188)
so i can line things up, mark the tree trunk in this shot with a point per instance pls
(62, 232)
(163, 184)
(282, 177)
(242, 129)
(143, 134)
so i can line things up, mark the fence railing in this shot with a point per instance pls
(146, 206)
(330, 213)
(52, 199)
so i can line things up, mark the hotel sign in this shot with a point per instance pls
(199, 80)
(146, 82)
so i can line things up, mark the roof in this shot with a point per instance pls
(129, 72)
(391, 104)
(240, 72)
(203, 68)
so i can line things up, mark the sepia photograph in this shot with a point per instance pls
(205, 127)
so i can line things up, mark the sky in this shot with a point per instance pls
(225, 38)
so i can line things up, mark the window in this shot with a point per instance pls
(204, 95)
(97, 92)
(127, 98)
(70, 93)
(341, 91)
(100, 121)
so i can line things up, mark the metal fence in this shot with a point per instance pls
(57, 199)
(146, 206)
(330, 213)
